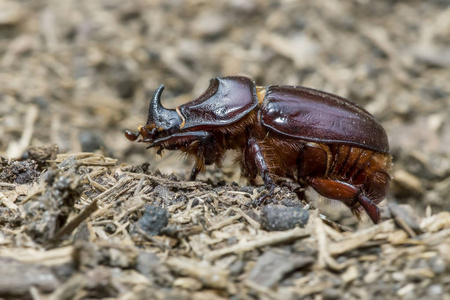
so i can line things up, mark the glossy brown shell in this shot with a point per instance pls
(321, 117)
(225, 101)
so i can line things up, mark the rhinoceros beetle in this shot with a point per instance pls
(313, 137)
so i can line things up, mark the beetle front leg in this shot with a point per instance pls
(177, 140)
(206, 154)
(186, 139)
(195, 170)
(256, 155)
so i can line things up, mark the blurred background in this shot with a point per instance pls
(75, 72)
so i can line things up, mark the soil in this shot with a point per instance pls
(87, 214)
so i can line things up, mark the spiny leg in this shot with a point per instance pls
(198, 166)
(347, 193)
(370, 208)
(208, 152)
(255, 154)
(184, 139)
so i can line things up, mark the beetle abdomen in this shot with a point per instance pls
(317, 116)
(352, 162)
(340, 166)
(365, 169)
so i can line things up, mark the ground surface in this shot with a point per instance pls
(84, 214)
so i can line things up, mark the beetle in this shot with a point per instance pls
(315, 138)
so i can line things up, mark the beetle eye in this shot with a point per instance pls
(147, 133)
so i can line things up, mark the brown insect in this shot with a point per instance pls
(316, 138)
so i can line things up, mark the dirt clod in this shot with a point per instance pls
(153, 220)
(280, 218)
(42, 154)
(18, 172)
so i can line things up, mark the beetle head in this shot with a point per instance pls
(161, 122)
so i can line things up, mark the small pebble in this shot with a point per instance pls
(398, 276)
(434, 290)
(438, 265)
(110, 228)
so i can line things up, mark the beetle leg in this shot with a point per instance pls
(370, 208)
(159, 152)
(256, 154)
(195, 170)
(205, 149)
(184, 139)
(347, 193)
(177, 140)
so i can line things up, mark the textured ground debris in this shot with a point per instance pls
(161, 235)
(74, 74)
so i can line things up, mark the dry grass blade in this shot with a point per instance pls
(179, 184)
(270, 239)
(49, 257)
(6, 202)
(325, 259)
(355, 240)
(209, 275)
(15, 149)
(73, 224)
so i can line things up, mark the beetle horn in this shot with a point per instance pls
(155, 106)
(158, 114)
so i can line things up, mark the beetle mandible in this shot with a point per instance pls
(316, 138)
